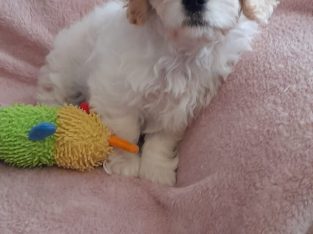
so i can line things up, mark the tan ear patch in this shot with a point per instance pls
(138, 11)
(247, 9)
(259, 10)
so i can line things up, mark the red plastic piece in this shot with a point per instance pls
(85, 107)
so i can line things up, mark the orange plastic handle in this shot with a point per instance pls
(120, 143)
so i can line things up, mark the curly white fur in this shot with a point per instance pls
(148, 80)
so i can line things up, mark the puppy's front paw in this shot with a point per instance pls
(138, 11)
(163, 173)
(123, 164)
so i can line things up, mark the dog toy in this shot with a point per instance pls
(67, 136)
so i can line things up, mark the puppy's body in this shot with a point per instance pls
(151, 79)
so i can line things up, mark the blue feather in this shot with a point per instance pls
(41, 131)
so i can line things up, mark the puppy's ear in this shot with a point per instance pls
(258, 10)
(138, 11)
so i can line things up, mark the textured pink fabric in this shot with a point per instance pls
(27, 29)
(246, 163)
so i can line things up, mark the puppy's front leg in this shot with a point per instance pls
(121, 162)
(159, 160)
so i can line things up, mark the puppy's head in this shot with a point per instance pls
(202, 16)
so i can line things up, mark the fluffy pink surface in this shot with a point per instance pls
(246, 163)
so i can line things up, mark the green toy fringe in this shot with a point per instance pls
(15, 147)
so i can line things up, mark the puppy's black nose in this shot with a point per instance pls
(193, 6)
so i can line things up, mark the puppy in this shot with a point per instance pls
(150, 80)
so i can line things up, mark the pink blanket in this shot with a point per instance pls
(246, 163)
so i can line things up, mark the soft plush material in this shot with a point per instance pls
(246, 164)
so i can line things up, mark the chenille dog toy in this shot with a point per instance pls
(67, 136)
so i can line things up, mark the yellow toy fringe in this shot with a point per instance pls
(81, 139)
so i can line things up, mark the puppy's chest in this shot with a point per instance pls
(178, 83)
(178, 76)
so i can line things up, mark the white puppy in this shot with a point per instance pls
(153, 79)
